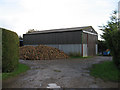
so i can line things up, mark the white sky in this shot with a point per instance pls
(22, 15)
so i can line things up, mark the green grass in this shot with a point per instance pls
(106, 71)
(20, 69)
(80, 57)
(57, 70)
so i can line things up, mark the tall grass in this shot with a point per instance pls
(20, 69)
(106, 70)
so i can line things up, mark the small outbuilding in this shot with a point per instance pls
(78, 40)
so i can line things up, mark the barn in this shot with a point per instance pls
(77, 40)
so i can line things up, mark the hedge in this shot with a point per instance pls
(10, 50)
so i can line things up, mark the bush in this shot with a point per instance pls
(10, 50)
(19, 70)
(116, 48)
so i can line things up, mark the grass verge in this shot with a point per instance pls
(106, 71)
(20, 69)
(57, 70)
(80, 57)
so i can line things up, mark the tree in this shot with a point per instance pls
(20, 37)
(111, 36)
(31, 30)
(101, 46)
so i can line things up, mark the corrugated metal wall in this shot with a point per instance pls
(85, 50)
(73, 37)
(96, 49)
(68, 48)
(67, 41)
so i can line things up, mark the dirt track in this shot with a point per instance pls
(72, 73)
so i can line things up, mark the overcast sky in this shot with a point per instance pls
(22, 15)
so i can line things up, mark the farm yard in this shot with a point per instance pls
(68, 73)
(65, 44)
(46, 66)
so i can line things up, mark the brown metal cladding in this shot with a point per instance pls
(92, 45)
(91, 41)
(84, 38)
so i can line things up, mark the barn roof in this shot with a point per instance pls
(66, 29)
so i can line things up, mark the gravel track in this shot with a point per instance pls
(69, 73)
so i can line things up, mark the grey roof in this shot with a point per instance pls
(63, 30)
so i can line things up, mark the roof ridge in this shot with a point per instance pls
(61, 29)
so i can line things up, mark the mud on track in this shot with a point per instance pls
(72, 73)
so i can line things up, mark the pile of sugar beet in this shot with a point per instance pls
(41, 52)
